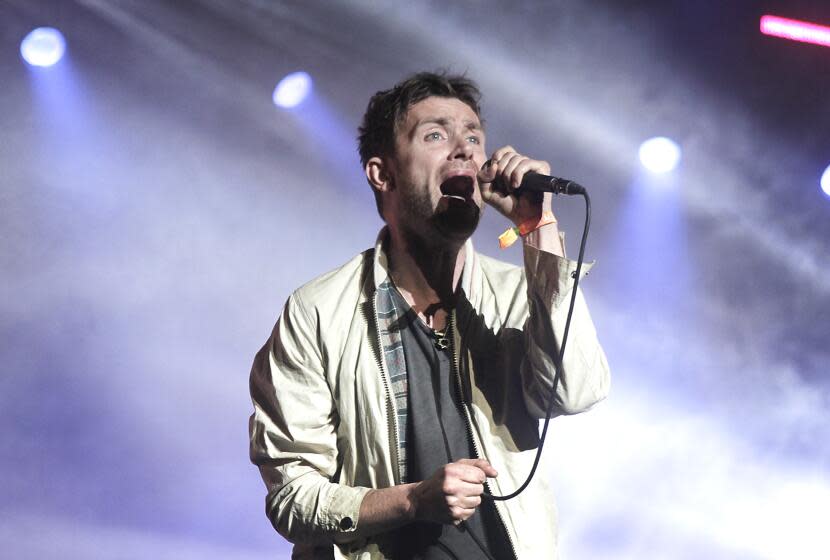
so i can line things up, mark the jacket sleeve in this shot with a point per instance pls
(293, 435)
(585, 377)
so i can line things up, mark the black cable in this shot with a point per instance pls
(561, 363)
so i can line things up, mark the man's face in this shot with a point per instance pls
(439, 148)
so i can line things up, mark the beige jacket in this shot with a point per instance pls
(323, 431)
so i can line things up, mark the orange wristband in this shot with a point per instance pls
(510, 236)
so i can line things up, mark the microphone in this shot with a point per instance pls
(536, 182)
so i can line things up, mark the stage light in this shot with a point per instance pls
(43, 46)
(660, 154)
(292, 90)
(795, 30)
(825, 181)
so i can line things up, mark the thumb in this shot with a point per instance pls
(484, 465)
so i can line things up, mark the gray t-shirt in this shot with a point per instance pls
(437, 434)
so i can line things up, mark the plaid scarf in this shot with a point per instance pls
(389, 322)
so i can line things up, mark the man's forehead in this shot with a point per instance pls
(441, 110)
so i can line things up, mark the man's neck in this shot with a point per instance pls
(426, 276)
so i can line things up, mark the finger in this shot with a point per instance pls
(464, 502)
(466, 471)
(471, 474)
(459, 514)
(468, 502)
(468, 489)
(457, 517)
(525, 166)
(501, 152)
(488, 172)
(508, 169)
(458, 485)
(482, 464)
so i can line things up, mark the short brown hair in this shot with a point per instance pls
(388, 108)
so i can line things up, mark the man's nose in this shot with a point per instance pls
(462, 149)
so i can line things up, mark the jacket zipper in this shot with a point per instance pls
(469, 424)
(391, 410)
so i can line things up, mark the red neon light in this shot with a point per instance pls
(795, 30)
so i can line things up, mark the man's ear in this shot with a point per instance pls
(378, 174)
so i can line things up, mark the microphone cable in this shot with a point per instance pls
(561, 363)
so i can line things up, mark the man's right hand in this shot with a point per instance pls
(452, 494)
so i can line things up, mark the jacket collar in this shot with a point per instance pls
(380, 269)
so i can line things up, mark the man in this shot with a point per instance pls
(398, 388)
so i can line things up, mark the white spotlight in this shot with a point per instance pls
(43, 46)
(292, 90)
(660, 154)
(825, 181)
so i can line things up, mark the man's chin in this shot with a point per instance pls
(458, 221)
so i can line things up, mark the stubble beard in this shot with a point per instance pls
(448, 225)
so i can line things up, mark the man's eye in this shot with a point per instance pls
(434, 136)
(474, 139)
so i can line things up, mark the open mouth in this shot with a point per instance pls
(458, 187)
